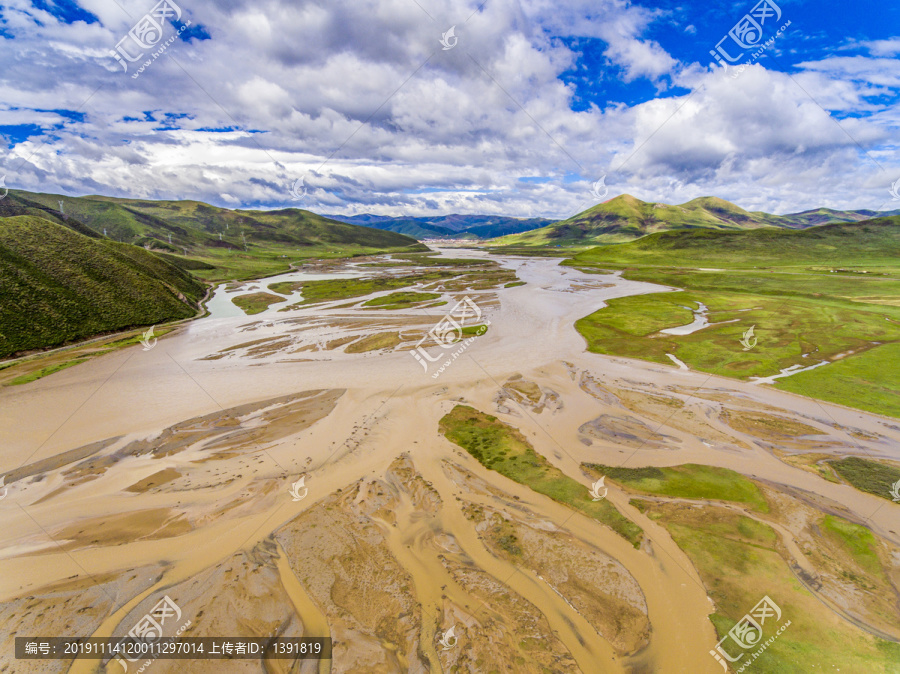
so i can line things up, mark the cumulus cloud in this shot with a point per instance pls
(359, 98)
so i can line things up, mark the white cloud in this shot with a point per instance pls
(337, 92)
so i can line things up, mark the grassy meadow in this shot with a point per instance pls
(830, 293)
(739, 562)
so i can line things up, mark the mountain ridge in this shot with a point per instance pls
(188, 225)
(626, 218)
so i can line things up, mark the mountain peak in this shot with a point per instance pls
(714, 202)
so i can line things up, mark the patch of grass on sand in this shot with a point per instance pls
(811, 463)
(381, 340)
(858, 541)
(502, 448)
(285, 287)
(43, 372)
(33, 368)
(738, 561)
(476, 330)
(256, 303)
(400, 300)
(687, 481)
(513, 284)
(338, 289)
(869, 476)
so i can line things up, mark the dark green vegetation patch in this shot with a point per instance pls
(868, 476)
(59, 286)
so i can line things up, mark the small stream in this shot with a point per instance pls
(786, 372)
(700, 322)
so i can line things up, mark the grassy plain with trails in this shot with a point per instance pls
(828, 293)
(739, 562)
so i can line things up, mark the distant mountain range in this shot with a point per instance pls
(447, 226)
(626, 218)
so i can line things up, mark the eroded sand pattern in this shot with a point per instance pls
(168, 472)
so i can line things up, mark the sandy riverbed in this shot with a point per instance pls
(205, 439)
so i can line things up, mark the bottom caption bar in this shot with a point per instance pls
(174, 648)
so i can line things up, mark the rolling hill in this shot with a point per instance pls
(59, 285)
(626, 218)
(209, 233)
(453, 226)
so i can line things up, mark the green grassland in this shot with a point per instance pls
(256, 303)
(826, 293)
(858, 541)
(873, 477)
(862, 245)
(400, 300)
(868, 381)
(739, 563)
(59, 286)
(503, 449)
(692, 481)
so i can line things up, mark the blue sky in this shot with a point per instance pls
(534, 103)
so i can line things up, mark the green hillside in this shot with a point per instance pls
(827, 294)
(237, 243)
(626, 218)
(868, 243)
(823, 216)
(59, 286)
